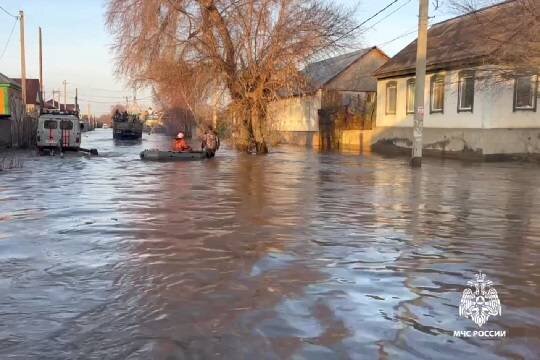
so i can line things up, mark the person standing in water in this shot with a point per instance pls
(210, 142)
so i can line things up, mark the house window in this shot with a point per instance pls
(466, 91)
(525, 92)
(410, 95)
(437, 94)
(391, 96)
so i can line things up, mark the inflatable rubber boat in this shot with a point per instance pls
(158, 155)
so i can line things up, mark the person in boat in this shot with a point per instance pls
(180, 144)
(210, 142)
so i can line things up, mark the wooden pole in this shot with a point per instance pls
(23, 58)
(65, 95)
(41, 66)
(421, 55)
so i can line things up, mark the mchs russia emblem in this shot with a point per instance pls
(480, 300)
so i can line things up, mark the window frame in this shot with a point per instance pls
(435, 78)
(50, 121)
(386, 104)
(409, 82)
(535, 93)
(461, 76)
(69, 124)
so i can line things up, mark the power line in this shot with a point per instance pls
(9, 38)
(373, 16)
(8, 13)
(365, 21)
(111, 102)
(398, 37)
(388, 15)
(403, 35)
(99, 89)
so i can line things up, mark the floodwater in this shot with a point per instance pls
(294, 255)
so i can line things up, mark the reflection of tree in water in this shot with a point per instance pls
(216, 261)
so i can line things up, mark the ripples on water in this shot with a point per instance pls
(291, 255)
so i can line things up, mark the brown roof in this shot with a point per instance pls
(32, 90)
(322, 72)
(6, 80)
(466, 40)
(325, 73)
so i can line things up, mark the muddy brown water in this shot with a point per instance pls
(294, 255)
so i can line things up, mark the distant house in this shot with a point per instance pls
(343, 84)
(53, 104)
(11, 112)
(473, 106)
(33, 96)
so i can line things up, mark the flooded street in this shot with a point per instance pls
(292, 255)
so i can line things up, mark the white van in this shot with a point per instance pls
(59, 131)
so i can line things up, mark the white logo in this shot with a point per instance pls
(481, 303)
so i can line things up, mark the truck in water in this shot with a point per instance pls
(127, 126)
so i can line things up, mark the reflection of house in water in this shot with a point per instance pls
(341, 96)
(470, 108)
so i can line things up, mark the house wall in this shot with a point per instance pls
(491, 128)
(296, 113)
(296, 120)
(359, 76)
(10, 126)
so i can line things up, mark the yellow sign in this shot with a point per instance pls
(4, 101)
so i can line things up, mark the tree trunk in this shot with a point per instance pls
(257, 120)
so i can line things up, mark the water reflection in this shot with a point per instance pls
(292, 255)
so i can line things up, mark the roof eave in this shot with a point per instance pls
(451, 65)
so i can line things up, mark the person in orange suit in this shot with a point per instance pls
(180, 143)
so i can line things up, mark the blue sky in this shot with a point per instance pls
(76, 43)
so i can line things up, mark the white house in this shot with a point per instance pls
(473, 106)
(342, 82)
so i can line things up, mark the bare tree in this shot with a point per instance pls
(253, 48)
(184, 93)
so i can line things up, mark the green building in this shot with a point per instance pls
(11, 111)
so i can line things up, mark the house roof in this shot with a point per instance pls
(32, 90)
(6, 80)
(322, 72)
(470, 39)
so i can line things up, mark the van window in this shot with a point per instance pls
(66, 125)
(50, 124)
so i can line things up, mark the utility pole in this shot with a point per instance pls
(23, 58)
(54, 93)
(65, 94)
(41, 67)
(421, 55)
